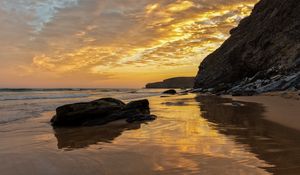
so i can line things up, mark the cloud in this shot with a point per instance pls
(38, 13)
(94, 38)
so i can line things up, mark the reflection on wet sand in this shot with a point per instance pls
(274, 143)
(74, 138)
(192, 135)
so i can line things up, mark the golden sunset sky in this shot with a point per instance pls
(110, 43)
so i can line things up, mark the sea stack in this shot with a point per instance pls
(262, 54)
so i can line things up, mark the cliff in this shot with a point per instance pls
(177, 82)
(262, 53)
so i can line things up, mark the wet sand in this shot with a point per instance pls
(281, 107)
(194, 134)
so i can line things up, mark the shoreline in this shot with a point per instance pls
(281, 106)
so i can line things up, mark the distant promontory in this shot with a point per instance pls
(177, 82)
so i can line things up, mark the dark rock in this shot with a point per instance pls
(276, 77)
(197, 90)
(141, 117)
(98, 112)
(178, 103)
(292, 89)
(171, 91)
(258, 75)
(109, 100)
(275, 83)
(264, 45)
(210, 90)
(183, 93)
(140, 107)
(218, 88)
(243, 93)
(139, 104)
(79, 113)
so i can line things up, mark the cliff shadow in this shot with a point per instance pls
(244, 122)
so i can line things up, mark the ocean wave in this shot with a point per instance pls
(44, 97)
(44, 89)
(62, 89)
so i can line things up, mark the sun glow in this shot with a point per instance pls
(170, 38)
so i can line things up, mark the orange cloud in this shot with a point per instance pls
(112, 41)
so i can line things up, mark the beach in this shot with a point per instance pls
(281, 107)
(193, 134)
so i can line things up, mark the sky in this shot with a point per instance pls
(110, 43)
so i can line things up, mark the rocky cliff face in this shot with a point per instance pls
(264, 45)
(177, 82)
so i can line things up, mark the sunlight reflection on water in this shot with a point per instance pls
(192, 135)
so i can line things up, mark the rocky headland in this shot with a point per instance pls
(261, 55)
(177, 82)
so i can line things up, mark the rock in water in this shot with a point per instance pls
(100, 112)
(171, 91)
(265, 44)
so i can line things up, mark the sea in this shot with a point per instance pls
(22, 103)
